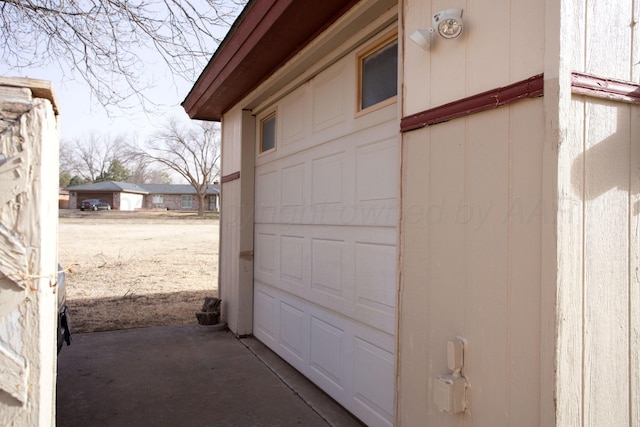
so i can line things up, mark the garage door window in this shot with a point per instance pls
(268, 133)
(378, 74)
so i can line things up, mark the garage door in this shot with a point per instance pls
(325, 244)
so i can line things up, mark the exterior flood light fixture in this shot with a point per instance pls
(447, 23)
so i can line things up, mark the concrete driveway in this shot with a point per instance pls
(181, 376)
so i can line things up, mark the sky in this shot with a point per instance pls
(81, 114)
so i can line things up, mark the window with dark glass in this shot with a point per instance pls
(379, 74)
(268, 133)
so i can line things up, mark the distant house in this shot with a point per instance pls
(125, 196)
(179, 196)
(120, 195)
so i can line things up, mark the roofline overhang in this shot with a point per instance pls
(84, 190)
(263, 38)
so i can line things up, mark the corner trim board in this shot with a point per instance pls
(532, 87)
(602, 87)
(230, 177)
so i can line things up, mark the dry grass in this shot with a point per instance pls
(137, 269)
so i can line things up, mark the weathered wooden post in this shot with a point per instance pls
(28, 252)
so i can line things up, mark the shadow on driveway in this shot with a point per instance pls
(181, 376)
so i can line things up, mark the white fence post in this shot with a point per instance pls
(28, 252)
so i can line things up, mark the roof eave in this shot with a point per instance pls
(266, 34)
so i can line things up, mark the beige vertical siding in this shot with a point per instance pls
(230, 199)
(598, 174)
(503, 42)
(598, 265)
(473, 212)
(604, 166)
(471, 244)
(634, 263)
(231, 150)
(236, 222)
(229, 248)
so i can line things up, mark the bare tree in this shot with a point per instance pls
(192, 151)
(99, 157)
(91, 156)
(99, 41)
(144, 171)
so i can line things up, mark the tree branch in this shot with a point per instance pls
(98, 41)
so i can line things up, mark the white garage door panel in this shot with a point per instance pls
(326, 356)
(349, 269)
(266, 199)
(265, 258)
(373, 393)
(376, 180)
(352, 362)
(325, 252)
(375, 295)
(328, 100)
(265, 316)
(338, 183)
(292, 260)
(292, 187)
(293, 331)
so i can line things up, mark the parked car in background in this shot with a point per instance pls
(94, 204)
(64, 333)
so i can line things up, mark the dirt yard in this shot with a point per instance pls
(136, 269)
